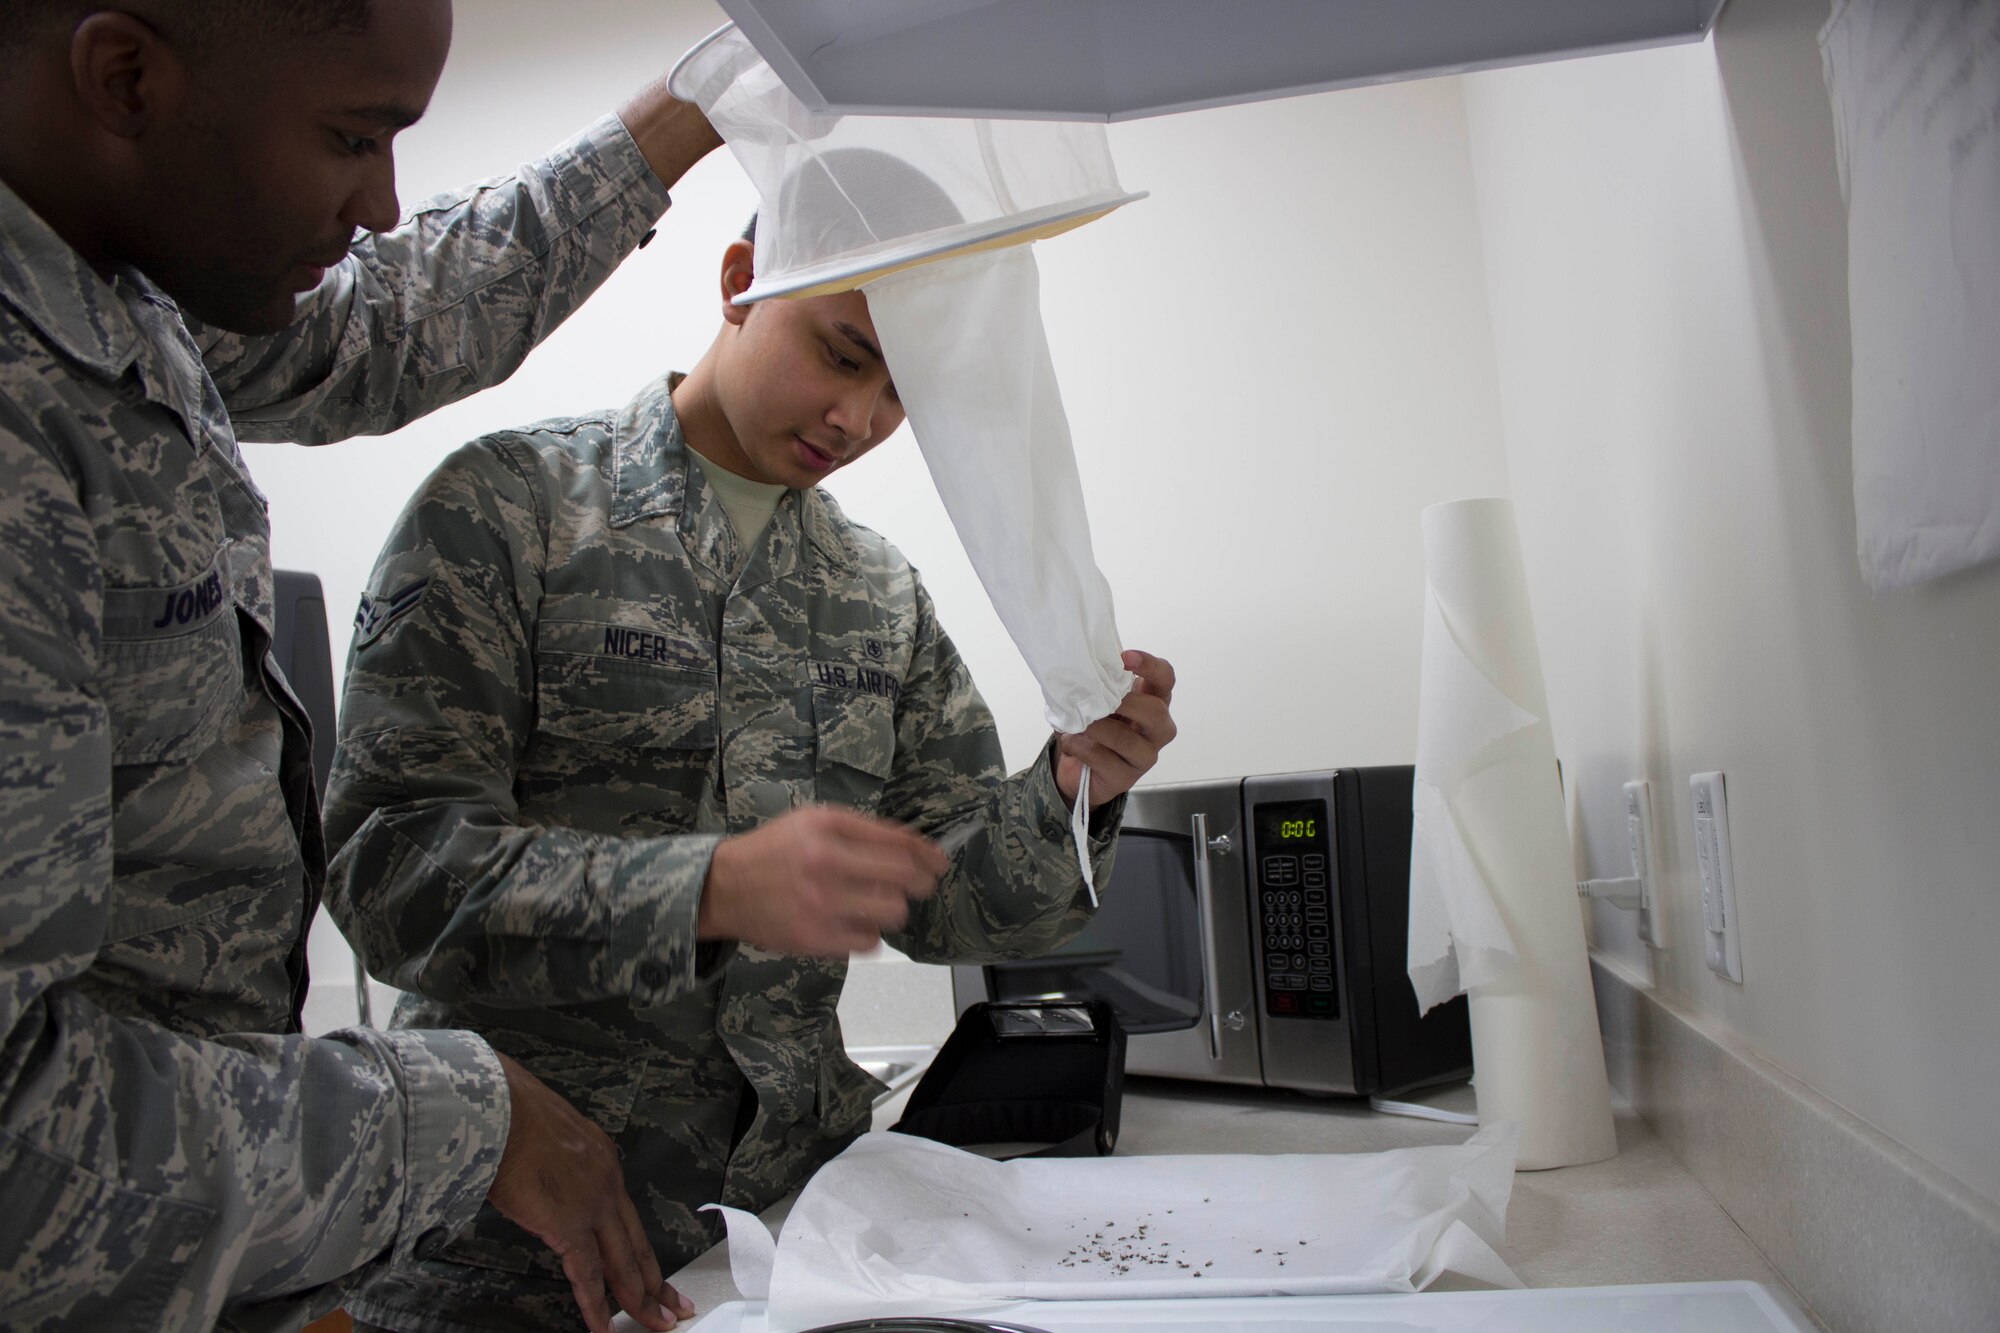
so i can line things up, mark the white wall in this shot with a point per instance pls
(1666, 247)
(1270, 366)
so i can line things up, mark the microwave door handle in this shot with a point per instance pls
(1204, 897)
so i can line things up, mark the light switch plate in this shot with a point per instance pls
(1720, 923)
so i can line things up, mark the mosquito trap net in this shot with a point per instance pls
(930, 218)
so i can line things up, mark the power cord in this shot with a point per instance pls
(1418, 1111)
(1623, 892)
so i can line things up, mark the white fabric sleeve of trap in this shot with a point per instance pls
(898, 1225)
(964, 339)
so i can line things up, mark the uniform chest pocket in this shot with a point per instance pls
(855, 735)
(603, 701)
(170, 695)
(619, 746)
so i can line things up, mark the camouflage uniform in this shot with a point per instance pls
(172, 1154)
(569, 683)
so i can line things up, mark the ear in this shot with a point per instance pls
(124, 73)
(739, 270)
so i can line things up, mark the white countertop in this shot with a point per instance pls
(1637, 1218)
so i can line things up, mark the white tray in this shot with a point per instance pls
(1712, 1307)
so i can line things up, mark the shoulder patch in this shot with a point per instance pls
(382, 610)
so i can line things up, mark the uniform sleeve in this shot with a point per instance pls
(447, 304)
(439, 883)
(1013, 888)
(149, 1176)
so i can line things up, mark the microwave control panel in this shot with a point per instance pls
(1293, 874)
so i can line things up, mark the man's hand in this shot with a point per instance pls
(817, 880)
(560, 1181)
(1121, 748)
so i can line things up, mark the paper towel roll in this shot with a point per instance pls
(1493, 907)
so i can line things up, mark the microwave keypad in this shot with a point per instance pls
(1294, 903)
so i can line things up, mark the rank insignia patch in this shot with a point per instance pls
(379, 612)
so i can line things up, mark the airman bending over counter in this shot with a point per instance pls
(650, 741)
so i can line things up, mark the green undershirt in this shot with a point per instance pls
(748, 503)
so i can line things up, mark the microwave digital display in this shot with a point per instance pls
(1294, 903)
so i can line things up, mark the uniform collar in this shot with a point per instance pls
(649, 474)
(43, 277)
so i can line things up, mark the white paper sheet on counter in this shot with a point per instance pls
(902, 1225)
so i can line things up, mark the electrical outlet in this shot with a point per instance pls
(1639, 834)
(1718, 876)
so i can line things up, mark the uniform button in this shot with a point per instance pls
(431, 1244)
(652, 974)
(647, 239)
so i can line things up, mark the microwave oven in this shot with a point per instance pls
(1255, 931)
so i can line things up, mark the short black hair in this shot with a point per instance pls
(202, 26)
(750, 229)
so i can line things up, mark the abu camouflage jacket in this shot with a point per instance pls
(561, 697)
(172, 1153)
